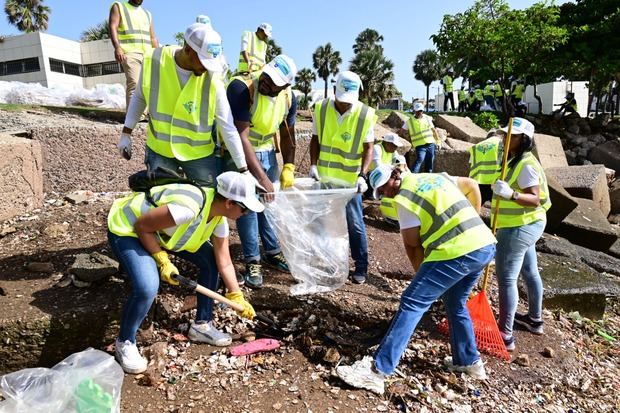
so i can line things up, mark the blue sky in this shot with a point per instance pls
(298, 27)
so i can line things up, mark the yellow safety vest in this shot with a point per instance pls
(420, 131)
(266, 113)
(478, 94)
(134, 29)
(489, 90)
(462, 97)
(188, 236)
(257, 52)
(385, 156)
(572, 104)
(518, 91)
(511, 214)
(449, 226)
(181, 120)
(341, 144)
(388, 208)
(485, 161)
(498, 91)
(447, 84)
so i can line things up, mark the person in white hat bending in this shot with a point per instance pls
(253, 55)
(341, 151)
(385, 150)
(185, 95)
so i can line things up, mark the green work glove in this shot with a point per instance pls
(166, 268)
(237, 297)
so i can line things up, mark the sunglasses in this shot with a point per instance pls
(244, 209)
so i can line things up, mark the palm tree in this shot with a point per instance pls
(368, 39)
(326, 60)
(427, 68)
(376, 72)
(303, 83)
(27, 15)
(273, 49)
(96, 32)
(179, 38)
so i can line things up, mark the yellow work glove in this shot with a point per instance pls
(237, 297)
(287, 177)
(166, 268)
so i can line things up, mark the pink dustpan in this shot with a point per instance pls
(256, 346)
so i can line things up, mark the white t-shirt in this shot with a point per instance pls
(370, 135)
(182, 214)
(527, 177)
(407, 219)
(428, 118)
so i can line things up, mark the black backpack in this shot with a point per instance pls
(143, 181)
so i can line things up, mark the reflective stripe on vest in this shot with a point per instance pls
(340, 154)
(420, 131)
(388, 208)
(450, 226)
(189, 236)
(257, 53)
(511, 214)
(134, 29)
(385, 157)
(181, 120)
(485, 161)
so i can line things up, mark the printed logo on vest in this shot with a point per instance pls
(486, 147)
(429, 182)
(346, 136)
(190, 106)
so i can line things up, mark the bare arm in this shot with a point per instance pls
(148, 224)
(314, 150)
(530, 197)
(287, 142)
(154, 41)
(367, 156)
(115, 19)
(413, 246)
(471, 190)
(224, 263)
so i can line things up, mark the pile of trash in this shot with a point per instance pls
(101, 96)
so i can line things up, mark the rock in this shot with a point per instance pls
(548, 149)
(395, 120)
(78, 197)
(574, 140)
(462, 128)
(614, 197)
(614, 250)
(607, 154)
(588, 227)
(562, 203)
(548, 352)
(588, 182)
(332, 356)
(610, 174)
(453, 158)
(571, 157)
(522, 360)
(458, 145)
(574, 128)
(56, 230)
(6, 231)
(373, 211)
(598, 261)
(46, 267)
(93, 267)
(21, 176)
(584, 126)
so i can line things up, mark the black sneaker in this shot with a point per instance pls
(277, 262)
(240, 279)
(509, 343)
(525, 321)
(254, 274)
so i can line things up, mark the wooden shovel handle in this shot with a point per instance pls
(209, 293)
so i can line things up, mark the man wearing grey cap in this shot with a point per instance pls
(253, 53)
(185, 95)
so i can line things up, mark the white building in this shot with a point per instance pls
(53, 61)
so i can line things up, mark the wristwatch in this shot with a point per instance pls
(515, 195)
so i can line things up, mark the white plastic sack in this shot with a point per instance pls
(102, 96)
(312, 228)
(86, 382)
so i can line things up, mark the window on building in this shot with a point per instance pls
(92, 70)
(14, 67)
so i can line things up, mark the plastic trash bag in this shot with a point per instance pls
(311, 224)
(101, 96)
(86, 382)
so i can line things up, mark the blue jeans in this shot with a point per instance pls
(203, 170)
(144, 276)
(253, 224)
(425, 154)
(516, 253)
(453, 279)
(357, 234)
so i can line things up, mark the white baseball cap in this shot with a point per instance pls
(266, 27)
(418, 107)
(207, 43)
(398, 159)
(240, 188)
(520, 125)
(379, 177)
(348, 85)
(281, 70)
(204, 19)
(393, 138)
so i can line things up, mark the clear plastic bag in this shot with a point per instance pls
(311, 224)
(86, 382)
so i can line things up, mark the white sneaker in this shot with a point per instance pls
(205, 332)
(476, 370)
(362, 376)
(129, 357)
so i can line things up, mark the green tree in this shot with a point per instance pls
(303, 82)
(179, 38)
(326, 60)
(27, 15)
(376, 73)
(368, 39)
(427, 68)
(273, 49)
(96, 32)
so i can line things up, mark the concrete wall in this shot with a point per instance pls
(23, 47)
(61, 49)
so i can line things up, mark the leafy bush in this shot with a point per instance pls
(486, 120)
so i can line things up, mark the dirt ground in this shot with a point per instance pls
(572, 368)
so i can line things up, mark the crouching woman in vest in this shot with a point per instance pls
(521, 221)
(448, 246)
(192, 223)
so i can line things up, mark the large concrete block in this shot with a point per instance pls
(607, 154)
(588, 227)
(562, 203)
(462, 128)
(584, 181)
(395, 120)
(21, 176)
(453, 158)
(549, 151)
(614, 197)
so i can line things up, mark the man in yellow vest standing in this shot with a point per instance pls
(253, 53)
(341, 151)
(262, 106)
(185, 94)
(132, 35)
(423, 136)
(448, 88)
